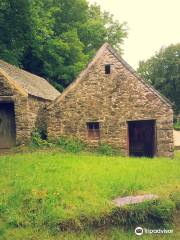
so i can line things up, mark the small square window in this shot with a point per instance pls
(107, 68)
(93, 130)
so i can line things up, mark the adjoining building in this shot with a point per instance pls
(24, 98)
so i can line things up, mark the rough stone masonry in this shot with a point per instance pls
(98, 106)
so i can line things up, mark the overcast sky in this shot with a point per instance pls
(152, 24)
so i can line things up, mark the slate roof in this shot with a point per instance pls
(123, 62)
(32, 84)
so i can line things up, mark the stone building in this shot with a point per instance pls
(109, 103)
(23, 104)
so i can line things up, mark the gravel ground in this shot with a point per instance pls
(176, 138)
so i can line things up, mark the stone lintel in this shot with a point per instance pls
(6, 98)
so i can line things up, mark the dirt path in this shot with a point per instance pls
(176, 138)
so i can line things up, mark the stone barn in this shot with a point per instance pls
(109, 103)
(24, 98)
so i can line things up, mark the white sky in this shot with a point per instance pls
(152, 24)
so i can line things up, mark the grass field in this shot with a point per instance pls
(40, 190)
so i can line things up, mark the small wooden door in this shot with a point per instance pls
(7, 125)
(142, 138)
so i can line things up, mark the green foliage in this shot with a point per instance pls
(15, 29)
(177, 126)
(73, 145)
(162, 71)
(55, 39)
(152, 213)
(37, 139)
(107, 149)
(175, 197)
(70, 144)
(161, 213)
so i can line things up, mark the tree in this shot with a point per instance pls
(55, 38)
(15, 29)
(163, 72)
(100, 27)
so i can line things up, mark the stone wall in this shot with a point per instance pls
(23, 133)
(30, 111)
(111, 100)
(37, 113)
(20, 109)
(5, 89)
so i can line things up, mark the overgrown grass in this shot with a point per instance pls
(56, 190)
(71, 144)
(100, 234)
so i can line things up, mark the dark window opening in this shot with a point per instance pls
(107, 69)
(93, 130)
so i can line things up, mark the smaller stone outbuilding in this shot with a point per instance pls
(24, 98)
(109, 103)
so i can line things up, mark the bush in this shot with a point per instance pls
(73, 145)
(107, 150)
(177, 126)
(37, 139)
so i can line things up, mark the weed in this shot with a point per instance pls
(38, 139)
(107, 149)
(73, 145)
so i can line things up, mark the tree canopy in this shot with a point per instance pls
(55, 38)
(163, 72)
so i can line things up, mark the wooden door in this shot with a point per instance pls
(7, 125)
(142, 138)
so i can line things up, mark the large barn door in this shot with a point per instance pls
(7, 125)
(142, 138)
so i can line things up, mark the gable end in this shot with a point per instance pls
(99, 54)
(131, 70)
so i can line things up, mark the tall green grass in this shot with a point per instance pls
(52, 189)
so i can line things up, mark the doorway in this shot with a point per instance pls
(142, 138)
(7, 125)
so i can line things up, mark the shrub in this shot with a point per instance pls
(37, 139)
(70, 144)
(107, 150)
